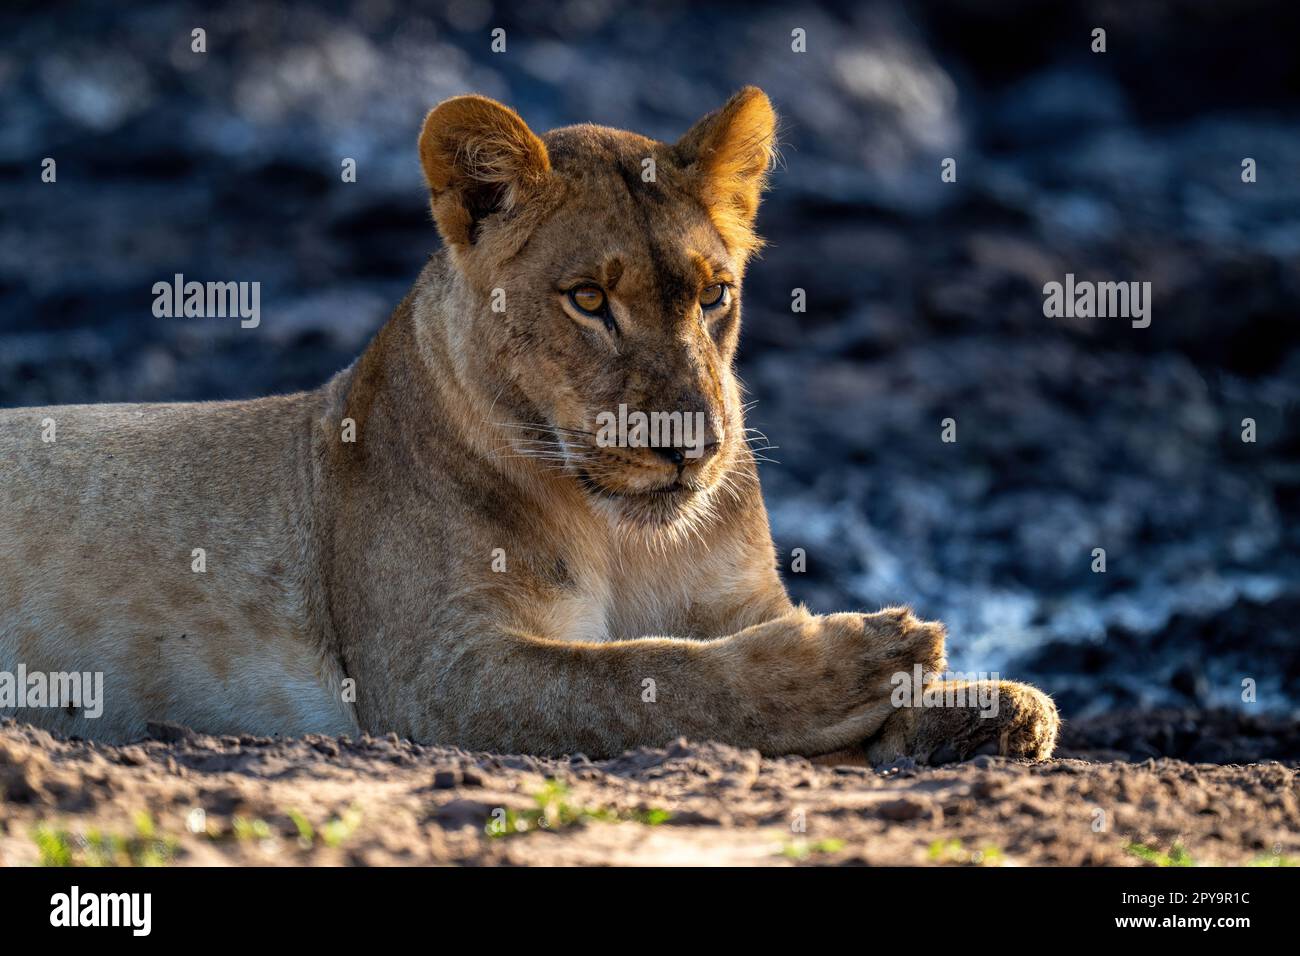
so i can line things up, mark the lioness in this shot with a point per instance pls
(435, 543)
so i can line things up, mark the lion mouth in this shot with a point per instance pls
(649, 494)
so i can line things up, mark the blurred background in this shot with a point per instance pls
(924, 298)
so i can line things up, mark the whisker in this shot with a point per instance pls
(544, 426)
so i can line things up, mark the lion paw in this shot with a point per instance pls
(960, 720)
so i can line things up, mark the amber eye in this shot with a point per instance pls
(714, 296)
(589, 299)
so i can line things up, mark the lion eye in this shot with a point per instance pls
(589, 299)
(714, 296)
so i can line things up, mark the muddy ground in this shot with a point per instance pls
(188, 799)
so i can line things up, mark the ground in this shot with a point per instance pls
(188, 799)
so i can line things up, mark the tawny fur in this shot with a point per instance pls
(623, 616)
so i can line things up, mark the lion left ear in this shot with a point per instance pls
(726, 156)
(479, 158)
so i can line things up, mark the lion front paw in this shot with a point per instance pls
(1031, 724)
(957, 720)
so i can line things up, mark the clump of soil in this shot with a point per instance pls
(186, 798)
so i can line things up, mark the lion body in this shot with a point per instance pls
(431, 543)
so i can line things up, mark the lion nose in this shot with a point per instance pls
(674, 456)
(678, 456)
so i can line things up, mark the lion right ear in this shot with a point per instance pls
(479, 158)
(727, 156)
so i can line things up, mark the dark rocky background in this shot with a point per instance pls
(924, 298)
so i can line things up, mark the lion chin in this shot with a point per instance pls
(670, 511)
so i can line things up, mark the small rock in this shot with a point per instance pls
(459, 814)
(471, 778)
(902, 809)
(903, 767)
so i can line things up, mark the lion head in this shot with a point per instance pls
(600, 273)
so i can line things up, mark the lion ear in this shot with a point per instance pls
(727, 155)
(479, 158)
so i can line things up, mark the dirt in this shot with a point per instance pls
(189, 799)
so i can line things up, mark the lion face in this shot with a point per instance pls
(605, 270)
